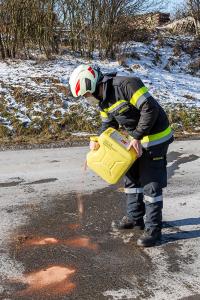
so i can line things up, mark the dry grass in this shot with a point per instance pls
(183, 119)
(44, 79)
(194, 67)
(51, 125)
(4, 132)
(44, 130)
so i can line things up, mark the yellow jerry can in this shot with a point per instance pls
(112, 160)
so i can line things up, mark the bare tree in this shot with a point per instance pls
(100, 24)
(87, 24)
(26, 25)
(194, 9)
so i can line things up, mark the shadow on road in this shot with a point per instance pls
(181, 234)
(178, 160)
(182, 222)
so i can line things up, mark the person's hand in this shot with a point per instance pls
(94, 145)
(125, 133)
(136, 144)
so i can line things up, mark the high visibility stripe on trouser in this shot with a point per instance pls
(153, 199)
(133, 190)
(158, 138)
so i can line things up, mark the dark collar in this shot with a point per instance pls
(107, 82)
(104, 79)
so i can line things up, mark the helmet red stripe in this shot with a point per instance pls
(78, 87)
(91, 71)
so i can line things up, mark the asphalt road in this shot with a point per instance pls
(58, 238)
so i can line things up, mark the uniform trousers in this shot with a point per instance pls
(144, 183)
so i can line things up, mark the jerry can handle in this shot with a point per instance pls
(94, 138)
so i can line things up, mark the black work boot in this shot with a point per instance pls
(126, 223)
(150, 237)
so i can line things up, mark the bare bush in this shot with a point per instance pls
(190, 8)
(194, 10)
(82, 26)
(27, 25)
(194, 67)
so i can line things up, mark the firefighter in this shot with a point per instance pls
(126, 102)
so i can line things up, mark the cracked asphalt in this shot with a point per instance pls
(58, 238)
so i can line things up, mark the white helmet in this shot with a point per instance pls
(82, 80)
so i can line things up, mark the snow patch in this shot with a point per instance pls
(121, 294)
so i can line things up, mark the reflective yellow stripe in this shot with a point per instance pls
(122, 110)
(115, 105)
(138, 94)
(105, 117)
(157, 136)
(103, 114)
(158, 158)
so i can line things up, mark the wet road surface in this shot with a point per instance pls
(59, 236)
(70, 248)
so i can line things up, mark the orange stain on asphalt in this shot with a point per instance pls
(81, 242)
(54, 280)
(73, 226)
(42, 241)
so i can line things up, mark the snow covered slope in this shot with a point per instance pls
(32, 91)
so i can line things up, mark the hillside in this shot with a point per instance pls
(35, 106)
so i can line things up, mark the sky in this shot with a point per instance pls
(172, 5)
